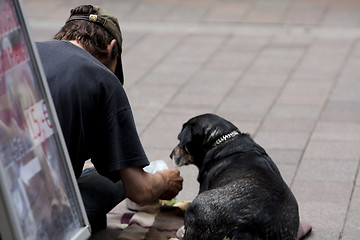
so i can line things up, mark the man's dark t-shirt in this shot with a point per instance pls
(93, 110)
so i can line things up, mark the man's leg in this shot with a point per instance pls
(99, 195)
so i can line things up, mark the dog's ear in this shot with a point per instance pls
(191, 138)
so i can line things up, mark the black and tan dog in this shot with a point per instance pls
(242, 194)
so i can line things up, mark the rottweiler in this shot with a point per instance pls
(242, 193)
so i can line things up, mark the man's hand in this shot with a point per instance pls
(173, 181)
(142, 187)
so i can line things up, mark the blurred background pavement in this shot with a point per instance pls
(285, 71)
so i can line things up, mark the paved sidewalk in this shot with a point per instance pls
(285, 71)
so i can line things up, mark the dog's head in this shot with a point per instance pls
(199, 135)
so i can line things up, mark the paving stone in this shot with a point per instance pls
(342, 14)
(199, 99)
(303, 98)
(327, 170)
(323, 192)
(246, 43)
(346, 94)
(306, 92)
(170, 74)
(332, 150)
(162, 42)
(288, 125)
(337, 131)
(266, 12)
(293, 38)
(321, 61)
(187, 12)
(313, 86)
(227, 11)
(256, 79)
(295, 111)
(130, 40)
(150, 11)
(215, 81)
(323, 234)
(342, 111)
(305, 12)
(186, 111)
(282, 140)
(276, 60)
(352, 228)
(230, 60)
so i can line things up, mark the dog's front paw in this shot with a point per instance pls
(180, 233)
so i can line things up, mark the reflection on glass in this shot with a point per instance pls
(35, 173)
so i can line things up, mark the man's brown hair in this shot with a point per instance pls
(94, 29)
(92, 36)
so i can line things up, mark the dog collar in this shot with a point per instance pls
(225, 137)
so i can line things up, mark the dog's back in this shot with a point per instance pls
(245, 199)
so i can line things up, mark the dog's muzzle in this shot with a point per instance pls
(181, 157)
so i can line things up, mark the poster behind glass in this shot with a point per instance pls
(33, 168)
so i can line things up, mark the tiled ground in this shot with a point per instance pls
(285, 71)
